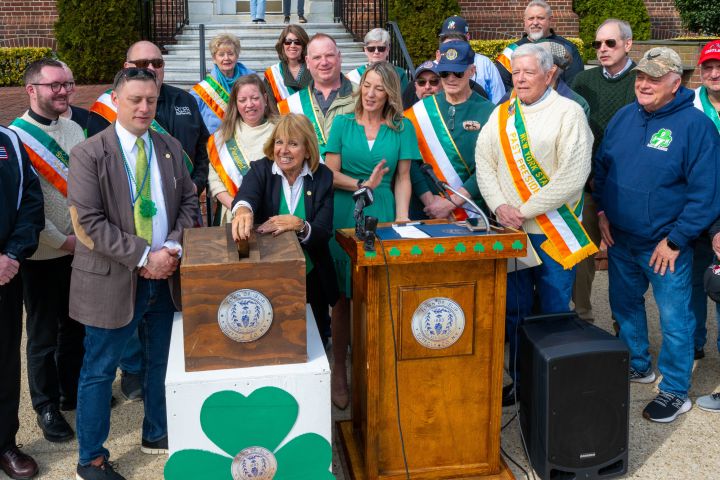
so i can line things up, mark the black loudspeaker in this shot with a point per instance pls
(574, 393)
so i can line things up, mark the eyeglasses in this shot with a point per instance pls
(145, 63)
(451, 119)
(288, 42)
(380, 49)
(55, 87)
(610, 42)
(434, 82)
(447, 74)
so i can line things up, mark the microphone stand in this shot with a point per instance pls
(476, 209)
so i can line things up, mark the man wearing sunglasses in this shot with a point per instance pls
(130, 197)
(447, 125)
(55, 341)
(606, 89)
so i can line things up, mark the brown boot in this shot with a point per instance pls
(339, 388)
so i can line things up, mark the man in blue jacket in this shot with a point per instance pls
(657, 187)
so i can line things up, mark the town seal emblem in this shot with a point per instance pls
(245, 315)
(438, 322)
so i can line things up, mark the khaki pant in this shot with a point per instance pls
(585, 270)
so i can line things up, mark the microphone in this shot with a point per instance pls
(430, 173)
(363, 197)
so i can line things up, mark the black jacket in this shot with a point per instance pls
(19, 227)
(262, 190)
(178, 113)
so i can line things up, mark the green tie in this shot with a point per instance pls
(143, 225)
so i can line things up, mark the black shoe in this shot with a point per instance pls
(53, 425)
(286, 20)
(261, 20)
(131, 386)
(17, 464)
(699, 353)
(508, 395)
(103, 472)
(158, 447)
(302, 19)
(68, 405)
(666, 407)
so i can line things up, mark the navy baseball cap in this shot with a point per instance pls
(426, 66)
(454, 24)
(455, 56)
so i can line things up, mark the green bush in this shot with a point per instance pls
(420, 22)
(700, 16)
(493, 48)
(593, 12)
(93, 36)
(14, 61)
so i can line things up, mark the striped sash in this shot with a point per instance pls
(355, 75)
(438, 148)
(229, 161)
(702, 102)
(213, 95)
(504, 57)
(274, 76)
(48, 158)
(302, 102)
(568, 243)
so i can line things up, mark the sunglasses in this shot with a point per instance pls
(447, 74)
(610, 42)
(137, 73)
(55, 87)
(451, 117)
(434, 82)
(144, 63)
(287, 42)
(380, 49)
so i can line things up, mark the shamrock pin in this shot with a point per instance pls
(479, 248)
(415, 250)
(439, 249)
(460, 248)
(498, 246)
(394, 252)
(249, 430)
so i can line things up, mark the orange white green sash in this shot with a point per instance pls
(104, 107)
(274, 76)
(229, 161)
(48, 158)
(302, 102)
(214, 95)
(355, 75)
(505, 56)
(568, 243)
(437, 146)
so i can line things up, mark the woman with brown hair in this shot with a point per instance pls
(290, 74)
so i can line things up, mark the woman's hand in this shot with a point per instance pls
(377, 175)
(242, 224)
(281, 223)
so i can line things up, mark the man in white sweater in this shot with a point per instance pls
(55, 341)
(532, 161)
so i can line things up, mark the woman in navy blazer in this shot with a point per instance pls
(288, 190)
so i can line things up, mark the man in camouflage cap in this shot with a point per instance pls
(656, 187)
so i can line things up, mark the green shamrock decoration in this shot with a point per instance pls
(460, 248)
(234, 422)
(147, 208)
(479, 248)
(415, 250)
(370, 254)
(439, 249)
(517, 245)
(498, 246)
(394, 252)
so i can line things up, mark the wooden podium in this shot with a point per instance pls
(450, 391)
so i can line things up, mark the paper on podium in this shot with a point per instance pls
(409, 231)
(528, 261)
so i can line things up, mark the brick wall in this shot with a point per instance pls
(27, 23)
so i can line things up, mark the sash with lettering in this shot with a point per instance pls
(274, 76)
(229, 161)
(567, 241)
(504, 57)
(702, 102)
(355, 75)
(214, 95)
(104, 107)
(48, 158)
(438, 148)
(302, 102)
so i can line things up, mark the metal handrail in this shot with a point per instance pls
(361, 16)
(162, 20)
(399, 54)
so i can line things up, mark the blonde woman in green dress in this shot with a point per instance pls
(372, 147)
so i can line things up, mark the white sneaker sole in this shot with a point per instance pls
(707, 409)
(649, 379)
(154, 451)
(684, 409)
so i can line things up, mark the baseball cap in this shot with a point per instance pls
(711, 281)
(660, 60)
(454, 24)
(426, 66)
(711, 51)
(561, 55)
(455, 56)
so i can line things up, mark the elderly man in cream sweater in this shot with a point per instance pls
(532, 162)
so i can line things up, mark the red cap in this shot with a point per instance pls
(711, 51)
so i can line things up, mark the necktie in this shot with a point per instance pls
(143, 224)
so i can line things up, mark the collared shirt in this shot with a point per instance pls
(544, 96)
(324, 103)
(608, 75)
(159, 220)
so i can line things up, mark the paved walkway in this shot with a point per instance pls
(14, 100)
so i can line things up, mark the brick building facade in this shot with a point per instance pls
(27, 23)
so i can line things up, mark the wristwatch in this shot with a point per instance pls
(360, 182)
(11, 256)
(303, 231)
(672, 245)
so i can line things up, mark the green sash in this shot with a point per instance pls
(45, 140)
(156, 127)
(708, 107)
(300, 213)
(308, 108)
(237, 156)
(218, 88)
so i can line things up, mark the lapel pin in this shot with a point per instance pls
(167, 155)
(308, 192)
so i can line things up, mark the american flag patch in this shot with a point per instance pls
(3, 153)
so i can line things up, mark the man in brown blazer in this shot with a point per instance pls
(130, 198)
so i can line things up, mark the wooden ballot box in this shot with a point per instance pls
(443, 318)
(242, 312)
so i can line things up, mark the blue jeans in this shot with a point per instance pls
(131, 360)
(629, 276)
(553, 285)
(703, 256)
(153, 317)
(257, 9)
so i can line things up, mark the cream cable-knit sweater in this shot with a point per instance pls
(560, 139)
(57, 216)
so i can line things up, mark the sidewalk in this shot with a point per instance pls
(14, 100)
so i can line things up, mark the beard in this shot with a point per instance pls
(535, 36)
